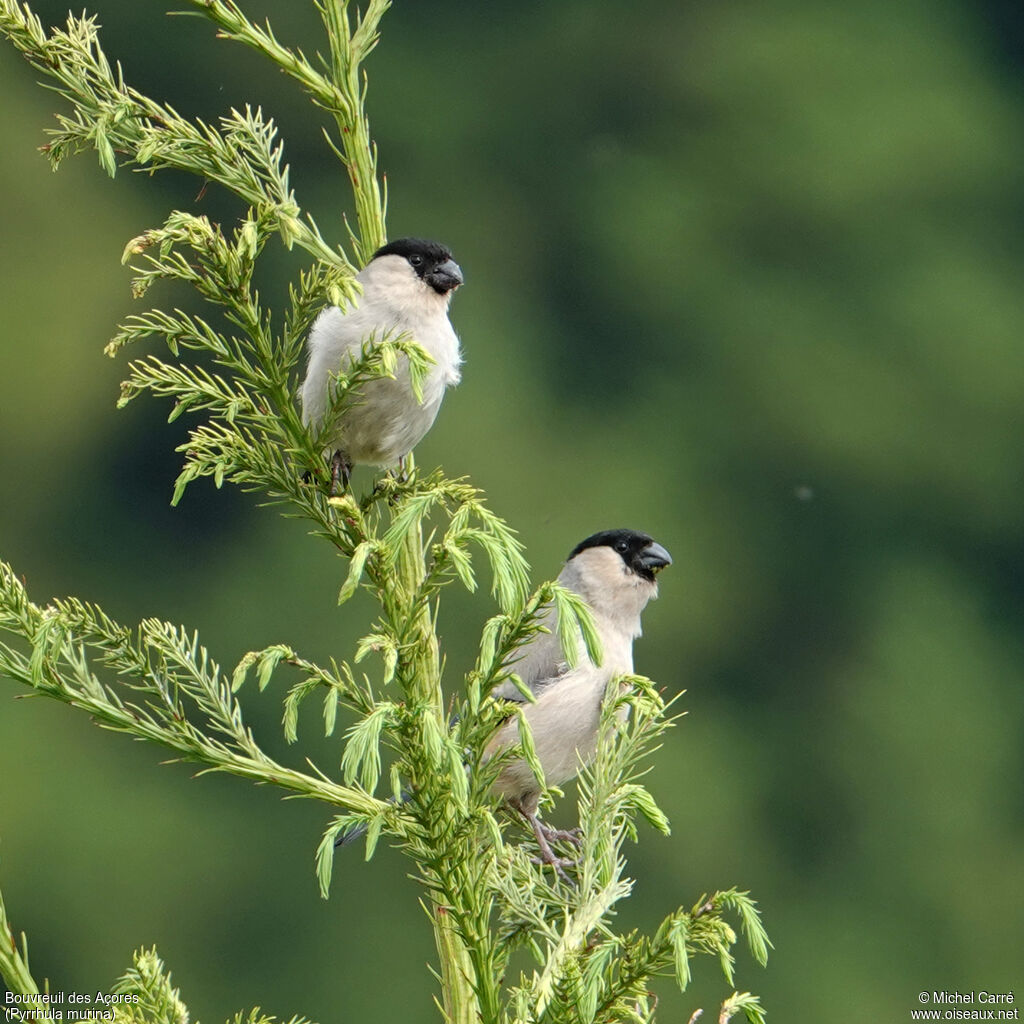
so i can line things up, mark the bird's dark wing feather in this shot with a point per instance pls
(509, 691)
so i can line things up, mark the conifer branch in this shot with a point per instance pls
(160, 678)
(235, 375)
(14, 962)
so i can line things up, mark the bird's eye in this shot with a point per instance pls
(622, 547)
(416, 260)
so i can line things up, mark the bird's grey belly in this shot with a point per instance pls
(564, 723)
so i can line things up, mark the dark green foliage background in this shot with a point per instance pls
(745, 276)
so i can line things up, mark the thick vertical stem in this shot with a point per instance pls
(423, 686)
(348, 49)
(425, 680)
(457, 995)
(423, 677)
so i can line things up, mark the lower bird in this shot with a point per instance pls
(406, 289)
(615, 573)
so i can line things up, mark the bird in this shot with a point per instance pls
(615, 572)
(406, 289)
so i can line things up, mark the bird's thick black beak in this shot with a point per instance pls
(655, 557)
(445, 277)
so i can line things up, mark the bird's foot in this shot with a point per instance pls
(401, 475)
(562, 835)
(341, 470)
(547, 855)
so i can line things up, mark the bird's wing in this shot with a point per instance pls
(509, 691)
(340, 335)
(540, 664)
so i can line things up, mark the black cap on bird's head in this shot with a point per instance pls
(431, 261)
(641, 554)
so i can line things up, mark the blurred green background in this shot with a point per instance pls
(745, 276)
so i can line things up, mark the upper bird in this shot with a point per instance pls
(614, 572)
(406, 288)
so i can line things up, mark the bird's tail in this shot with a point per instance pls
(350, 835)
